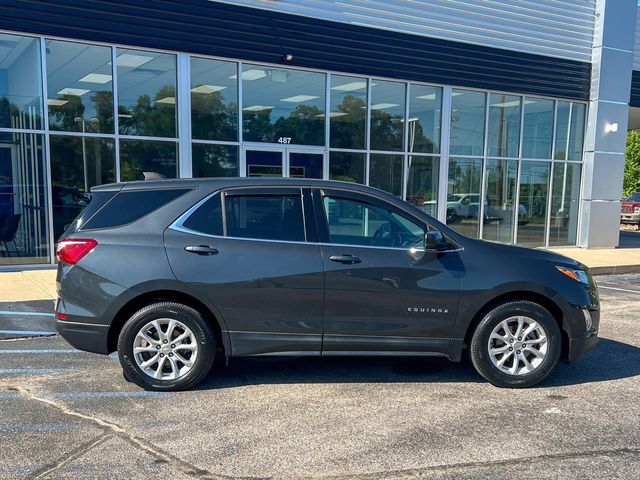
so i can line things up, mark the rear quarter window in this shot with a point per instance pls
(96, 202)
(127, 207)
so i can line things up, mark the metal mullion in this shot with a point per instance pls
(185, 167)
(61, 133)
(445, 142)
(213, 142)
(22, 130)
(367, 161)
(547, 222)
(405, 159)
(242, 153)
(47, 149)
(153, 139)
(116, 118)
(519, 171)
(327, 125)
(348, 150)
(483, 167)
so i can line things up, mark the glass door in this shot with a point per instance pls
(264, 163)
(276, 161)
(303, 164)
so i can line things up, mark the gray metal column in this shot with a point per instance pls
(608, 106)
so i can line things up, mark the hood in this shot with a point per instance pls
(537, 254)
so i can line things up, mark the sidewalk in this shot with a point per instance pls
(605, 261)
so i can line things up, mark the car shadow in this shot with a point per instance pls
(610, 360)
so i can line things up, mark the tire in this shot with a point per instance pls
(191, 336)
(514, 371)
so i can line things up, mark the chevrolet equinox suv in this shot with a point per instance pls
(171, 273)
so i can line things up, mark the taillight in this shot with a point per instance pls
(73, 250)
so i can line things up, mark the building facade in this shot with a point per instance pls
(505, 119)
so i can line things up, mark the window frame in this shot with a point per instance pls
(323, 222)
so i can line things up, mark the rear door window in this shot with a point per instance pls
(207, 218)
(265, 217)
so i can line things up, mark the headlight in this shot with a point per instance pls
(577, 275)
(636, 209)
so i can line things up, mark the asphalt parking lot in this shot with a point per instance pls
(69, 414)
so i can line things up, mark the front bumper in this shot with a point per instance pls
(578, 346)
(84, 336)
(630, 218)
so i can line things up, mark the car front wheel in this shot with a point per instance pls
(166, 346)
(517, 345)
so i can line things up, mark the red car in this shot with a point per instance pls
(631, 209)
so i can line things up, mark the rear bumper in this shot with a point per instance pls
(84, 336)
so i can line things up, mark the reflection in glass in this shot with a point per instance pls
(214, 100)
(347, 166)
(146, 93)
(348, 112)
(215, 160)
(23, 200)
(425, 107)
(261, 163)
(463, 195)
(283, 106)
(500, 197)
(385, 173)
(534, 186)
(565, 199)
(352, 222)
(422, 186)
(77, 164)
(305, 165)
(80, 88)
(20, 82)
(569, 131)
(503, 136)
(387, 115)
(467, 122)
(147, 160)
(538, 128)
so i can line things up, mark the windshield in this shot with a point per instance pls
(634, 197)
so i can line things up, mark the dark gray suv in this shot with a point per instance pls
(172, 273)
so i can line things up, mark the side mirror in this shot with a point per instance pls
(434, 241)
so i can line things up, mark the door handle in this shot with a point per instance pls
(346, 258)
(201, 249)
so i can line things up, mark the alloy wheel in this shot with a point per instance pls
(518, 345)
(165, 349)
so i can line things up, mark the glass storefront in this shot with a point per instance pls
(74, 115)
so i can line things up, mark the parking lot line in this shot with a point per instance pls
(37, 427)
(30, 333)
(140, 393)
(30, 352)
(26, 314)
(33, 371)
(619, 289)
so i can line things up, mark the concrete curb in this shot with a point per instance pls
(615, 270)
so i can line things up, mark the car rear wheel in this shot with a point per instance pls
(166, 346)
(517, 345)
